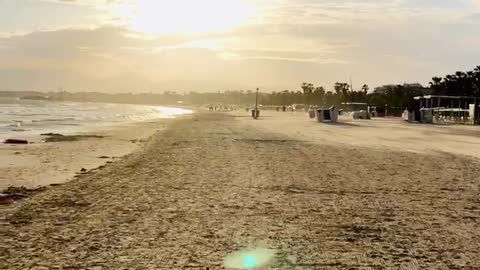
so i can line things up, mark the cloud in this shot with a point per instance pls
(109, 59)
(286, 42)
(91, 53)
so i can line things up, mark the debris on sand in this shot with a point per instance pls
(137, 141)
(52, 134)
(5, 199)
(24, 190)
(15, 141)
(83, 170)
(70, 138)
(12, 194)
(55, 184)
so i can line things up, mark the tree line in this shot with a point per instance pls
(391, 96)
(458, 84)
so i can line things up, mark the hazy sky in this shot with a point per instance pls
(183, 45)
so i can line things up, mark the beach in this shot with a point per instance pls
(66, 138)
(377, 194)
(42, 164)
(388, 133)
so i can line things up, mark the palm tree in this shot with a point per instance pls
(304, 87)
(436, 81)
(365, 88)
(319, 94)
(320, 90)
(307, 91)
(476, 81)
(438, 86)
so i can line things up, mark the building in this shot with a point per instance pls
(382, 90)
(438, 109)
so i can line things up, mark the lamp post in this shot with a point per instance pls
(256, 100)
(256, 113)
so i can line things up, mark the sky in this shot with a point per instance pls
(216, 45)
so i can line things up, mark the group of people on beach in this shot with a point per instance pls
(278, 108)
(228, 108)
(221, 108)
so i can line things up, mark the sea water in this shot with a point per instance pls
(20, 118)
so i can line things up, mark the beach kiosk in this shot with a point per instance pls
(440, 109)
(312, 111)
(327, 115)
(361, 110)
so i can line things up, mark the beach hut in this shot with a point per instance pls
(360, 115)
(327, 115)
(426, 115)
(363, 113)
(312, 111)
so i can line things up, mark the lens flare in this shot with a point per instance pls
(249, 258)
(249, 262)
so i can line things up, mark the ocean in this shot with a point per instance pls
(28, 118)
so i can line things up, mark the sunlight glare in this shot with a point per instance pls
(185, 16)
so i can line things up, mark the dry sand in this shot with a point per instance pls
(380, 133)
(214, 183)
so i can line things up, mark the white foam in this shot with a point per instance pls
(35, 117)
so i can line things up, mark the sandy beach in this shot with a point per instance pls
(44, 163)
(379, 133)
(379, 194)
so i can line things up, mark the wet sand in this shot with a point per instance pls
(42, 164)
(213, 183)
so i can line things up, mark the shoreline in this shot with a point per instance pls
(69, 118)
(42, 164)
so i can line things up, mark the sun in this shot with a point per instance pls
(185, 16)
